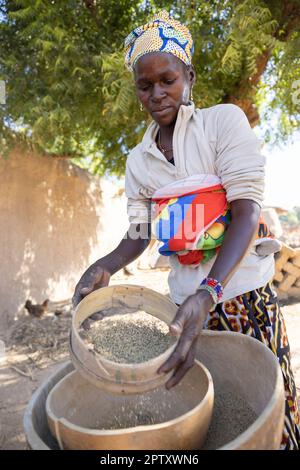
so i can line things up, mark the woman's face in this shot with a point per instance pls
(163, 84)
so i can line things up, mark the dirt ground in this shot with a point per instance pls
(36, 347)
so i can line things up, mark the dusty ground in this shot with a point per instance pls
(36, 347)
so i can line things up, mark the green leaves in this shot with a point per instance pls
(251, 32)
(69, 93)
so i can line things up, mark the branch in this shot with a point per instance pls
(290, 20)
(65, 156)
(244, 93)
(92, 7)
(21, 372)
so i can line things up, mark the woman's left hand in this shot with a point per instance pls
(187, 323)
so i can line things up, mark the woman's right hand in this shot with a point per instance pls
(95, 276)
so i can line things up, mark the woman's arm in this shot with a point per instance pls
(134, 243)
(193, 311)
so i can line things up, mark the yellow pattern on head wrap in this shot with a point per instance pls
(161, 34)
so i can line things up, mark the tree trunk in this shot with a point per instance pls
(244, 93)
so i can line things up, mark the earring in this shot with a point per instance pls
(191, 97)
(141, 107)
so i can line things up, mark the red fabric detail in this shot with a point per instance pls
(190, 228)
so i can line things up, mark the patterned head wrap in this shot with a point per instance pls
(161, 34)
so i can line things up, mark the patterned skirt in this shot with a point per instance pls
(257, 314)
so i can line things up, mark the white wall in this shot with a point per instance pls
(55, 220)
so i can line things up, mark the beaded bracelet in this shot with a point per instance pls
(214, 287)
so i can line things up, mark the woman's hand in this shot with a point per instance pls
(95, 276)
(99, 273)
(187, 323)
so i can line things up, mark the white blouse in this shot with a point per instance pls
(216, 140)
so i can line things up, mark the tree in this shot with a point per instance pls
(69, 94)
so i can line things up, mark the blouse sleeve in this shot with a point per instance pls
(239, 162)
(138, 206)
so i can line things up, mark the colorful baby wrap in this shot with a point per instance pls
(190, 217)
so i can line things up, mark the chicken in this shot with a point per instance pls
(36, 310)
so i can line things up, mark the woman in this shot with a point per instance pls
(211, 156)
